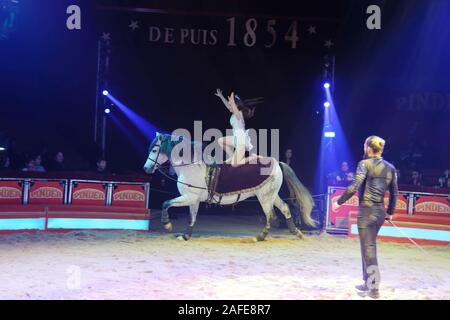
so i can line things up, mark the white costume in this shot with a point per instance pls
(241, 137)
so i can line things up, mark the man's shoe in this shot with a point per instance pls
(362, 287)
(374, 294)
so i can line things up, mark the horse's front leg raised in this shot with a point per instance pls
(181, 201)
(193, 209)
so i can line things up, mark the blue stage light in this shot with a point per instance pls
(105, 92)
(326, 104)
(326, 85)
(107, 110)
(329, 134)
(146, 127)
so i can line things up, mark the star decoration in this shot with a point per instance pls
(106, 36)
(312, 29)
(133, 25)
(329, 44)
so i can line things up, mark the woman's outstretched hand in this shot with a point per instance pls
(218, 93)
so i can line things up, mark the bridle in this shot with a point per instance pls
(169, 177)
(157, 156)
(175, 166)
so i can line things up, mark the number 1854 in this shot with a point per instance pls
(251, 26)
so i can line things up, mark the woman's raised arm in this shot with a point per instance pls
(225, 102)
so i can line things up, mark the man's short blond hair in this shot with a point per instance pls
(376, 143)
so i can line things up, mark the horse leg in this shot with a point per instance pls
(267, 206)
(180, 201)
(284, 208)
(193, 209)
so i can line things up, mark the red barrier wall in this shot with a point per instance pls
(128, 195)
(89, 194)
(432, 205)
(10, 192)
(46, 192)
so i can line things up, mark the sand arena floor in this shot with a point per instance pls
(221, 261)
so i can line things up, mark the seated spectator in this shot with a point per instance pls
(38, 164)
(58, 162)
(443, 181)
(416, 178)
(350, 177)
(344, 171)
(29, 166)
(102, 166)
(343, 177)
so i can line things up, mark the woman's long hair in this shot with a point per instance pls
(248, 106)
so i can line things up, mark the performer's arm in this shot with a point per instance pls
(393, 193)
(225, 102)
(360, 176)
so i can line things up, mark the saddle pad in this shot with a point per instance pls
(244, 178)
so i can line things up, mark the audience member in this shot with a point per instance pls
(38, 164)
(443, 180)
(291, 160)
(58, 162)
(342, 175)
(102, 166)
(29, 166)
(416, 178)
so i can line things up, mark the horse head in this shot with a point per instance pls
(159, 151)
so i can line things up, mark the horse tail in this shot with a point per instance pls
(304, 200)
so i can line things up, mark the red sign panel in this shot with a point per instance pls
(432, 205)
(91, 194)
(338, 215)
(128, 195)
(10, 192)
(46, 192)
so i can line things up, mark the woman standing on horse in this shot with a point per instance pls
(240, 141)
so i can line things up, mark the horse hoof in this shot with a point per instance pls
(181, 238)
(261, 237)
(299, 235)
(168, 227)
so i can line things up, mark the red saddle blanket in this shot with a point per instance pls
(233, 180)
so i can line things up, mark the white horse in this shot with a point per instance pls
(193, 189)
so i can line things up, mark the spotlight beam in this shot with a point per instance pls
(145, 127)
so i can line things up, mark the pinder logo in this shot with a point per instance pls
(10, 193)
(432, 206)
(46, 193)
(88, 194)
(129, 195)
(352, 202)
(401, 204)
